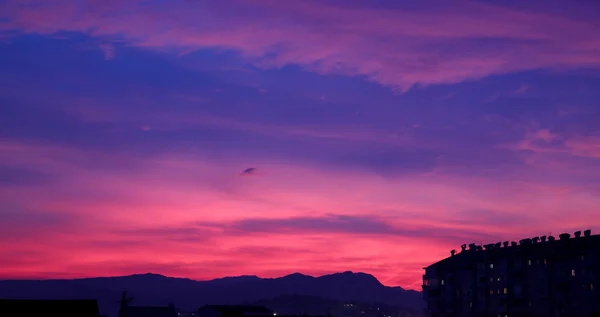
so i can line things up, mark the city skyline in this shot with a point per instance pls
(206, 139)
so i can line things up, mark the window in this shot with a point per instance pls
(505, 290)
(592, 287)
(491, 279)
(572, 272)
(470, 304)
(582, 257)
(545, 261)
(498, 292)
(442, 282)
(491, 265)
(529, 262)
(491, 292)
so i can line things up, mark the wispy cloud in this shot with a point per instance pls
(108, 50)
(399, 48)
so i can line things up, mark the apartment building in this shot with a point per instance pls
(539, 276)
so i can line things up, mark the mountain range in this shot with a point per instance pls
(187, 294)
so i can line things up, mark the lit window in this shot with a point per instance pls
(582, 257)
(591, 287)
(470, 304)
(491, 266)
(442, 282)
(572, 272)
(491, 279)
(529, 262)
(491, 292)
(498, 291)
(505, 290)
(499, 279)
(545, 261)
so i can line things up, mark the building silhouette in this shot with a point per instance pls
(540, 276)
(235, 311)
(38, 307)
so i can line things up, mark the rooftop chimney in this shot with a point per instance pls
(525, 241)
(513, 244)
(535, 239)
(505, 243)
(577, 234)
(587, 233)
(551, 238)
(543, 239)
(472, 247)
(498, 245)
(564, 236)
(463, 247)
(452, 253)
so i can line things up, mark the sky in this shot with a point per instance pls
(204, 139)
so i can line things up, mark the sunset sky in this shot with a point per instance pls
(382, 133)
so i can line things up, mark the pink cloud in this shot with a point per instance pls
(544, 141)
(108, 50)
(201, 212)
(398, 48)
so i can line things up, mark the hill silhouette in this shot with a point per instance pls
(156, 289)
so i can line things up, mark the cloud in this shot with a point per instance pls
(108, 50)
(394, 47)
(15, 176)
(544, 141)
(113, 221)
(523, 88)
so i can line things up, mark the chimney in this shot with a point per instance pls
(513, 244)
(525, 241)
(463, 247)
(498, 245)
(505, 243)
(551, 238)
(587, 233)
(543, 239)
(564, 237)
(535, 240)
(452, 253)
(472, 247)
(577, 234)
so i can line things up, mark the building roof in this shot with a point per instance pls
(150, 311)
(531, 246)
(255, 309)
(34, 307)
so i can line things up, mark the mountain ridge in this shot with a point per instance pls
(189, 294)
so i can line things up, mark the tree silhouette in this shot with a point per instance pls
(124, 302)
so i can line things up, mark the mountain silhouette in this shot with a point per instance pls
(187, 294)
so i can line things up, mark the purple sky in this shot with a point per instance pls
(382, 133)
